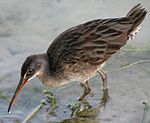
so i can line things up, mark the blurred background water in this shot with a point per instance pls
(29, 26)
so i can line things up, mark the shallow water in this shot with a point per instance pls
(29, 27)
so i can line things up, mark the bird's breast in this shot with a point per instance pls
(51, 81)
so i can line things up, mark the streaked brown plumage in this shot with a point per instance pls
(79, 52)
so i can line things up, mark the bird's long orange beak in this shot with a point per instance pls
(20, 86)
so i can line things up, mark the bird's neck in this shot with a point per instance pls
(45, 74)
(45, 64)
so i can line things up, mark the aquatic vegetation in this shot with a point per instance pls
(50, 100)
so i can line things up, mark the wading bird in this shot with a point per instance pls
(79, 52)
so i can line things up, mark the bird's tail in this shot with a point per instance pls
(137, 13)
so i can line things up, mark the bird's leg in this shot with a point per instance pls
(104, 78)
(105, 97)
(105, 88)
(86, 90)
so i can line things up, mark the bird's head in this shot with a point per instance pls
(32, 67)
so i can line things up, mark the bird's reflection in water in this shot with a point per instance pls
(85, 113)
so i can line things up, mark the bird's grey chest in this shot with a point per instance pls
(51, 81)
(47, 80)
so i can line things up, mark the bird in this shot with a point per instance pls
(79, 53)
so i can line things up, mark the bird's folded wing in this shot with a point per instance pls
(92, 42)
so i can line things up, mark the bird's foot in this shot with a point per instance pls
(78, 107)
(75, 107)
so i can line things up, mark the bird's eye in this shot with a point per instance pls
(30, 71)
